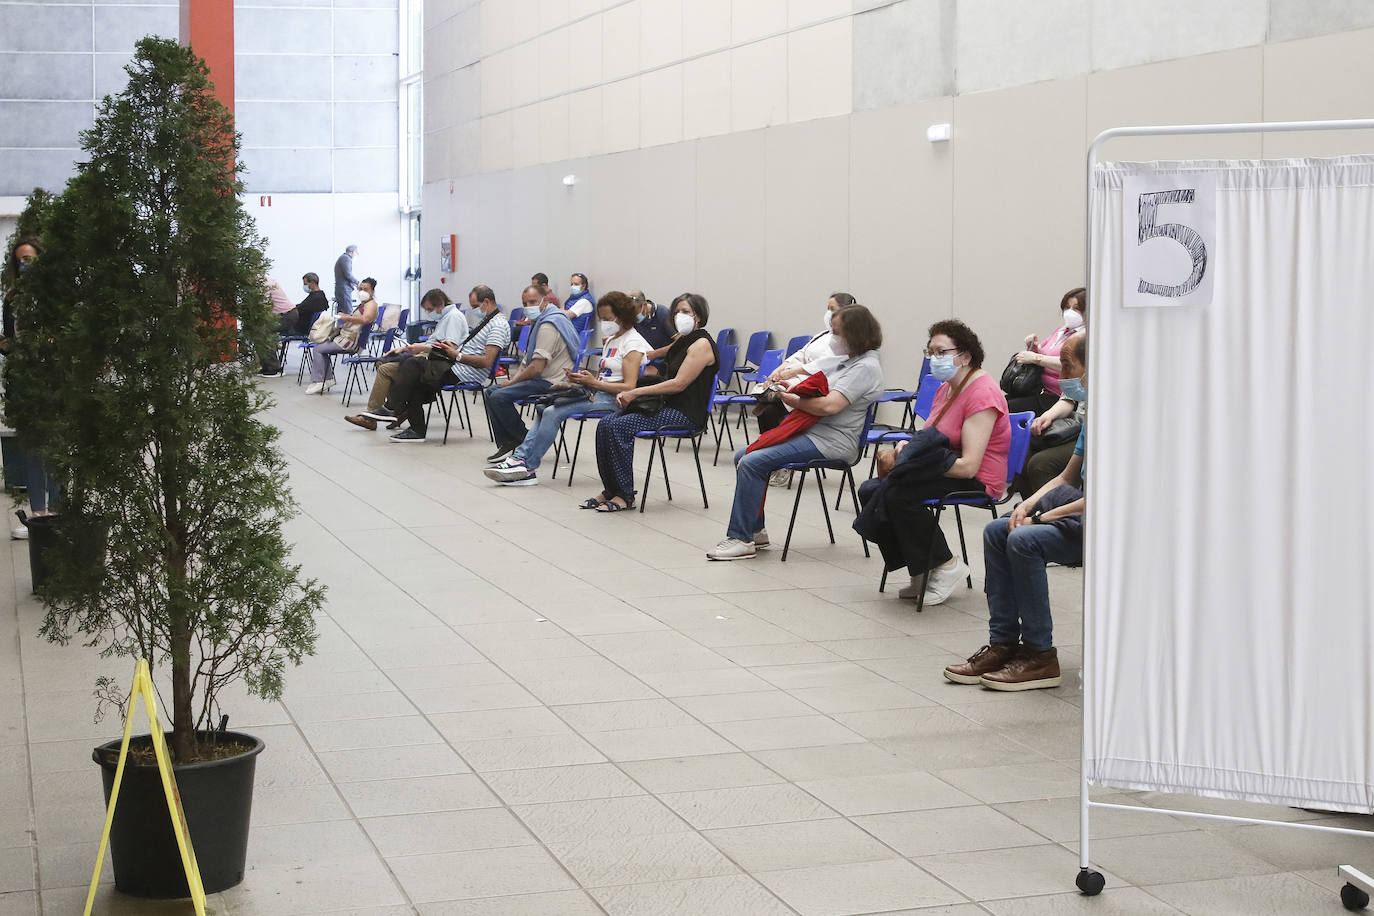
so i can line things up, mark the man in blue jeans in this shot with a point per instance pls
(553, 347)
(1045, 528)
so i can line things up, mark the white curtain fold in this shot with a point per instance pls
(1230, 639)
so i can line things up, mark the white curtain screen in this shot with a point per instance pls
(1230, 650)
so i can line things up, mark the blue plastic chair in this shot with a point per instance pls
(521, 342)
(796, 343)
(727, 355)
(458, 403)
(918, 404)
(759, 342)
(516, 314)
(561, 446)
(976, 499)
(725, 400)
(725, 338)
(357, 365)
(828, 464)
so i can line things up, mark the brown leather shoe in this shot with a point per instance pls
(1027, 671)
(988, 658)
(364, 422)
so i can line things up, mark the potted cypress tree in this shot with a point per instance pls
(133, 376)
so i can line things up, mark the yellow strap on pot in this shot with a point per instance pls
(143, 686)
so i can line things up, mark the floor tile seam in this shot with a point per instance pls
(35, 863)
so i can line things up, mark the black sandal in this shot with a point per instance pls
(610, 506)
(591, 503)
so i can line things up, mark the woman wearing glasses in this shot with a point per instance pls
(971, 411)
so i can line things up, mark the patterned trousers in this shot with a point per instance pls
(615, 447)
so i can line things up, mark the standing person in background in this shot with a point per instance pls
(541, 280)
(580, 302)
(309, 308)
(344, 281)
(287, 320)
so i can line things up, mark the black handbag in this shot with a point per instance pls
(1022, 380)
(648, 405)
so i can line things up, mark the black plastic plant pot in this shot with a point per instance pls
(50, 534)
(217, 797)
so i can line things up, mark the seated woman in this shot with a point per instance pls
(622, 352)
(818, 355)
(580, 302)
(321, 362)
(854, 383)
(971, 411)
(1073, 311)
(688, 380)
(1046, 528)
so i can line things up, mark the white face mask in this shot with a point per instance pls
(1073, 319)
(828, 315)
(364, 295)
(839, 345)
(306, 287)
(684, 323)
(575, 289)
(608, 328)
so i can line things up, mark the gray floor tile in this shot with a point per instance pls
(745, 806)
(1014, 782)
(563, 903)
(688, 774)
(736, 707)
(1171, 858)
(1114, 901)
(520, 753)
(613, 716)
(799, 844)
(613, 860)
(1255, 895)
(417, 795)
(567, 822)
(910, 791)
(1017, 872)
(446, 831)
(562, 783)
(941, 831)
(392, 762)
(864, 887)
(730, 895)
(789, 731)
(649, 743)
(479, 873)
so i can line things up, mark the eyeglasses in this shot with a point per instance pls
(934, 353)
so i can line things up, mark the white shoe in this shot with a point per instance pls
(780, 478)
(944, 580)
(731, 549)
(317, 387)
(761, 541)
(20, 533)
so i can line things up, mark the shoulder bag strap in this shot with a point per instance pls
(952, 396)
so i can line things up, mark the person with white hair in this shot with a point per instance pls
(344, 281)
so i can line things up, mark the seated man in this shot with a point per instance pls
(1046, 528)
(553, 347)
(309, 308)
(452, 325)
(467, 358)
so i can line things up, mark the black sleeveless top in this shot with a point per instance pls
(695, 400)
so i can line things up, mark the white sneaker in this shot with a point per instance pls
(761, 541)
(314, 388)
(944, 580)
(780, 478)
(731, 549)
(19, 533)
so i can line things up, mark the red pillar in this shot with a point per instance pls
(207, 26)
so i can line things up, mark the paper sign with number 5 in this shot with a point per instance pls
(1169, 235)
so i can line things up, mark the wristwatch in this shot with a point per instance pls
(1035, 516)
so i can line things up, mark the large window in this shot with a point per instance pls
(411, 144)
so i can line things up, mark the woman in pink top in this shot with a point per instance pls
(1073, 311)
(971, 411)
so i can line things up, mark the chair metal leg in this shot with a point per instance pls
(854, 498)
(963, 548)
(701, 479)
(930, 558)
(648, 474)
(796, 502)
(577, 447)
(882, 583)
(825, 509)
(303, 364)
(663, 463)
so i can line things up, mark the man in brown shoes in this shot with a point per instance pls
(1046, 528)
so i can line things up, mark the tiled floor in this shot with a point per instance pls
(518, 707)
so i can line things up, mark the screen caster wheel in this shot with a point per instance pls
(1091, 882)
(1352, 898)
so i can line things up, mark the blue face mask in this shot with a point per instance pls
(1074, 390)
(942, 367)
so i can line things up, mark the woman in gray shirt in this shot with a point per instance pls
(854, 384)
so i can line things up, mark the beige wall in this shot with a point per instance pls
(988, 227)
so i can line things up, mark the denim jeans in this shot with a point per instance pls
(1015, 581)
(540, 439)
(751, 481)
(45, 491)
(506, 425)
